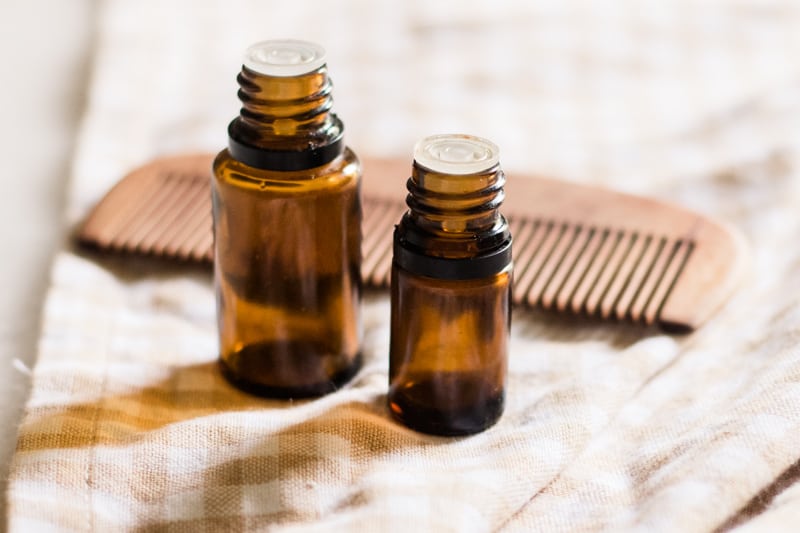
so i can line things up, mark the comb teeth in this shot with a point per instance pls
(620, 257)
(601, 272)
(565, 267)
(558, 266)
(380, 217)
(168, 217)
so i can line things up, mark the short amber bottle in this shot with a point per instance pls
(287, 227)
(451, 290)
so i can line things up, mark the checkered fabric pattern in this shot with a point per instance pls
(130, 427)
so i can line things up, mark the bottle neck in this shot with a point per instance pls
(455, 206)
(285, 123)
(452, 218)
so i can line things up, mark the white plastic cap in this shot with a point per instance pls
(284, 57)
(456, 154)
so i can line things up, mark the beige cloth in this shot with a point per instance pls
(129, 426)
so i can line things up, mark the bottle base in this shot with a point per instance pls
(310, 390)
(447, 406)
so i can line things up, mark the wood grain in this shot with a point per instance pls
(577, 249)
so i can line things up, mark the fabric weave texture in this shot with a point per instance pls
(608, 427)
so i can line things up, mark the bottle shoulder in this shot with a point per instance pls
(343, 172)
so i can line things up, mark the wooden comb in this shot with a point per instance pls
(577, 249)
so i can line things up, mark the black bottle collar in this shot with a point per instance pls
(285, 160)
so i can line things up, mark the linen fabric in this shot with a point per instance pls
(608, 427)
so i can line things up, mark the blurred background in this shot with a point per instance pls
(45, 53)
(692, 102)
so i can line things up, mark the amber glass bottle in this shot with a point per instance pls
(451, 290)
(287, 228)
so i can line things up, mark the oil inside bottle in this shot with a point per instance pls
(287, 226)
(451, 291)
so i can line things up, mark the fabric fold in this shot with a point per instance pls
(130, 426)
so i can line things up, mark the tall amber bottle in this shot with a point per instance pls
(451, 290)
(287, 227)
